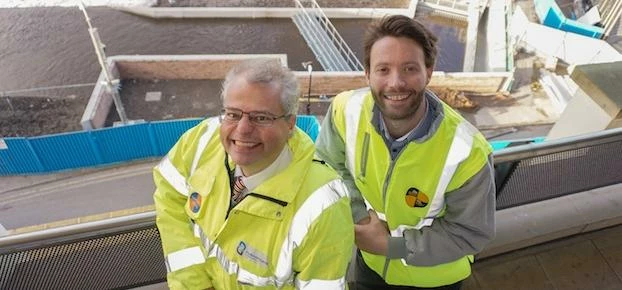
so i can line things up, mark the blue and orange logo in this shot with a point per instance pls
(416, 198)
(195, 202)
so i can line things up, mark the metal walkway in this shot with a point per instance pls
(327, 45)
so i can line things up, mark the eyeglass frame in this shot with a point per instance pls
(251, 117)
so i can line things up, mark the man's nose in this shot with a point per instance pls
(396, 80)
(245, 124)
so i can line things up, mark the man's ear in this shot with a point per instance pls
(367, 76)
(429, 72)
(291, 124)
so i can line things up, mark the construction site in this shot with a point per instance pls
(536, 89)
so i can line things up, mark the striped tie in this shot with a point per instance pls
(238, 188)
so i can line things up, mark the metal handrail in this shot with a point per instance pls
(555, 146)
(349, 54)
(343, 46)
(344, 49)
(453, 4)
(331, 57)
(56, 235)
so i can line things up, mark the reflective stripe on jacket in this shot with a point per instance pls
(293, 230)
(408, 192)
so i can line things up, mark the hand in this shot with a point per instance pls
(364, 221)
(372, 236)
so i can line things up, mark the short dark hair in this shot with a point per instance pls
(401, 26)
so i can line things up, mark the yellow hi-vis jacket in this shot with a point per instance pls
(409, 191)
(293, 230)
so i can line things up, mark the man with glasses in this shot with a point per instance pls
(240, 201)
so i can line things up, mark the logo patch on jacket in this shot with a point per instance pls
(195, 202)
(252, 254)
(416, 198)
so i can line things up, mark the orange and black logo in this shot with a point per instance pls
(416, 198)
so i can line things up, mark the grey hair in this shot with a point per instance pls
(267, 71)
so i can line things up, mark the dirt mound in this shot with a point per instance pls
(33, 116)
(456, 99)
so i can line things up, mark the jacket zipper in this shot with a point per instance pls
(384, 198)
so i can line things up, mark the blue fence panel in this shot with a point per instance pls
(554, 18)
(583, 29)
(502, 144)
(65, 151)
(551, 15)
(18, 157)
(124, 143)
(309, 124)
(109, 145)
(166, 133)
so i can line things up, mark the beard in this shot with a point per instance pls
(398, 111)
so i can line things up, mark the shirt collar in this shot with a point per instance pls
(281, 162)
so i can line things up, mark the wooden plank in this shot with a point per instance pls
(578, 266)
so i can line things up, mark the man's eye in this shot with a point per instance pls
(262, 118)
(411, 69)
(231, 115)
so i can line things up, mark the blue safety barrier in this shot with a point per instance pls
(502, 144)
(309, 124)
(72, 150)
(550, 15)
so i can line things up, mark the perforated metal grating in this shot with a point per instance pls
(117, 261)
(558, 174)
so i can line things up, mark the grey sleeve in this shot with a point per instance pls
(467, 226)
(332, 149)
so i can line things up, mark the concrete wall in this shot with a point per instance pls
(283, 3)
(100, 102)
(535, 223)
(158, 67)
(280, 9)
(281, 12)
(216, 66)
(496, 36)
(168, 67)
(563, 45)
(597, 106)
(329, 83)
(582, 115)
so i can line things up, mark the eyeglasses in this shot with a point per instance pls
(258, 118)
